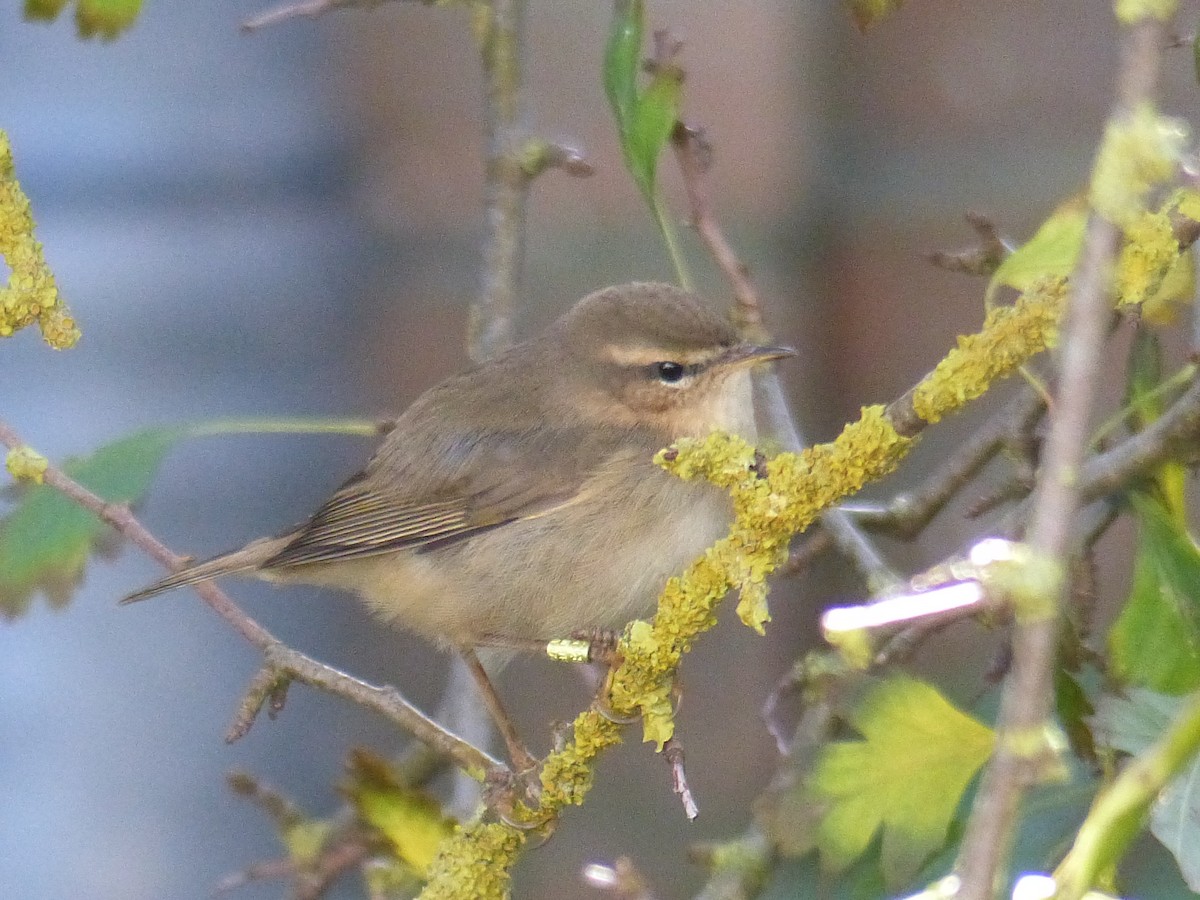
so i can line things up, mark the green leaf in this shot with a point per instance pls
(1051, 252)
(622, 58)
(654, 118)
(867, 13)
(1155, 641)
(1074, 709)
(906, 778)
(646, 117)
(1131, 724)
(410, 819)
(1146, 405)
(46, 539)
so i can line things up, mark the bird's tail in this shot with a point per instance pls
(248, 559)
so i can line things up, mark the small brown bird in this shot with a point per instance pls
(519, 499)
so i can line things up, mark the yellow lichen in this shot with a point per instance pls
(1149, 253)
(567, 773)
(1187, 203)
(1139, 152)
(1009, 337)
(474, 862)
(31, 294)
(25, 463)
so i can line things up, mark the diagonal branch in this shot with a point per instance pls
(281, 663)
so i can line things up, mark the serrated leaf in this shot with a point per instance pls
(1051, 252)
(906, 778)
(1131, 724)
(46, 539)
(867, 13)
(1155, 641)
(411, 820)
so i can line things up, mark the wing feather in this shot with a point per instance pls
(478, 484)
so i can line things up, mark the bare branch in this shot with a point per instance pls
(1029, 689)
(287, 664)
(492, 321)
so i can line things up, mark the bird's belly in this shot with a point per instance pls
(544, 577)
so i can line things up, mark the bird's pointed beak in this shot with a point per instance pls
(751, 355)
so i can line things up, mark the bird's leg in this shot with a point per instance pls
(522, 759)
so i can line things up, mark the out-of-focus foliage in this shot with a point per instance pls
(409, 819)
(46, 539)
(105, 19)
(867, 13)
(1131, 724)
(905, 779)
(1155, 642)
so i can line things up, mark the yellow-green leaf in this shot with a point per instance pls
(410, 819)
(105, 18)
(46, 539)
(906, 778)
(1051, 252)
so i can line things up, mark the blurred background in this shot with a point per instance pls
(288, 223)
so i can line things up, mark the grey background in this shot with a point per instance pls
(288, 224)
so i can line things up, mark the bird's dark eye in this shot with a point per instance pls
(669, 372)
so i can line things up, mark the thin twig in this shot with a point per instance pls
(908, 513)
(673, 754)
(1176, 429)
(1029, 689)
(286, 664)
(308, 9)
(982, 259)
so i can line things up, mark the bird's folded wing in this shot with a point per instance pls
(478, 484)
